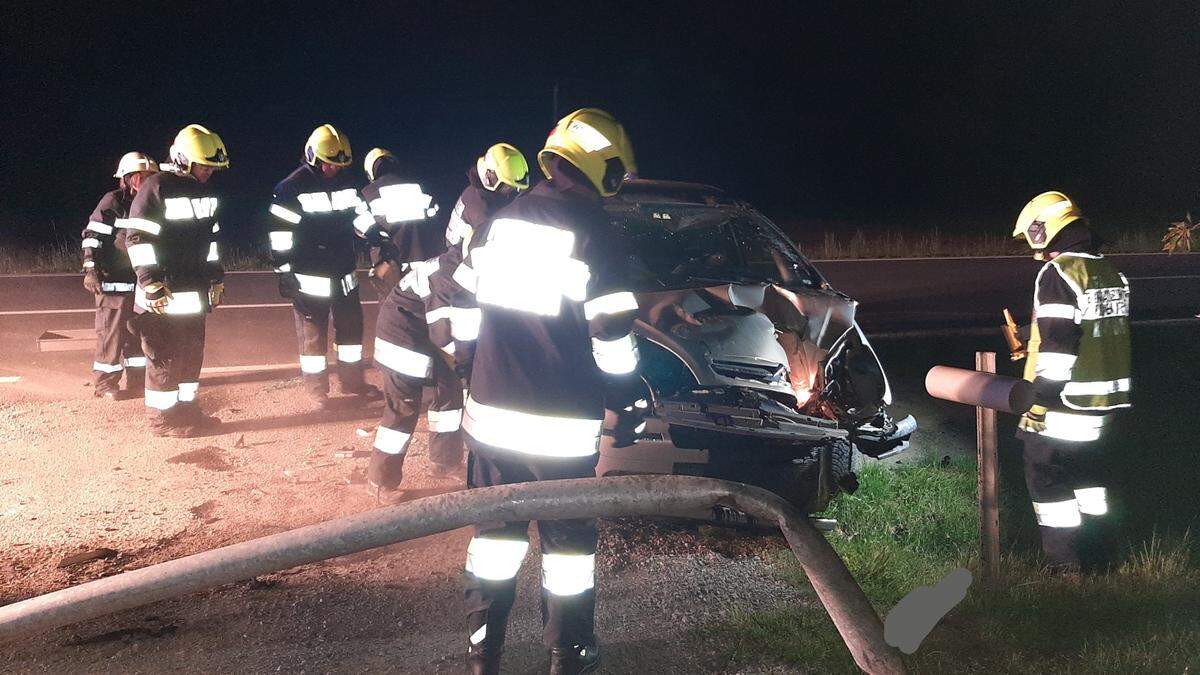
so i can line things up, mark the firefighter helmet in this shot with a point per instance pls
(374, 156)
(503, 164)
(595, 142)
(195, 144)
(1043, 218)
(134, 162)
(327, 144)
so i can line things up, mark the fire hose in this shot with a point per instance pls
(680, 496)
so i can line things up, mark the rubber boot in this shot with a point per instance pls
(1060, 547)
(352, 382)
(484, 658)
(385, 472)
(168, 423)
(574, 660)
(189, 413)
(317, 387)
(135, 382)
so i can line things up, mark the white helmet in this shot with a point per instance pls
(133, 162)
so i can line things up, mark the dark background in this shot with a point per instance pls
(838, 114)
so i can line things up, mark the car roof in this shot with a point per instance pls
(639, 191)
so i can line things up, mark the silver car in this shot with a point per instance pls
(753, 368)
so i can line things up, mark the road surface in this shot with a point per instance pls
(902, 295)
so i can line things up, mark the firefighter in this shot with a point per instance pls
(171, 234)
(426, 314)
(313, 246)
(417, 237)
(109, 276)
(554, 339)
(1079, 363)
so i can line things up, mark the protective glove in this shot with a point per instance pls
(1034, 420)
(385, 274)
(288, 286)
(91, 281)
(215, 293)
(625, 431)
(158, 296)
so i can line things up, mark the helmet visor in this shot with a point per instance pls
(614, 175)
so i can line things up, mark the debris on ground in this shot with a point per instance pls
(347, 452)
(364, 432)
(209, 457)
(82, 557)
(303, 474)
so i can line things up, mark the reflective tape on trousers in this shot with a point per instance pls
(402, 359)
(1057, 514)
(495, 559)
(1092, 501)
(531, 434)
(391, 441)
(566, 574)
(444, 421)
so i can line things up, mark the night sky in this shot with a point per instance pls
(952, 113)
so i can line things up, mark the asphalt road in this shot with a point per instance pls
(901, 295)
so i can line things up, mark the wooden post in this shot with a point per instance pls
(989, 506)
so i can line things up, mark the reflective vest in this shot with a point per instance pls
(1099, 379)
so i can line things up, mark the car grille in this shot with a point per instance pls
(742, 370)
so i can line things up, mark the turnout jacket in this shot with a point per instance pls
(451, 311)
(171, 235)
(1079, 346)
(549, 276)
(312, 235)
(104, 245)
(399, 225)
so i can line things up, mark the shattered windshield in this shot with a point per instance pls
(686, 246)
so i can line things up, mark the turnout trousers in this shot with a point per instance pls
(174, 348)
(497, 550)
(406, 372)
(1068, 497)
(313, 314)
(118, 345)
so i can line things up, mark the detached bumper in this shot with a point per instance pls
(883, 442)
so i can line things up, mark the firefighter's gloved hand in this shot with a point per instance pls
(1035, 417)
(1047, 392)
(628, 426)
(288, 286)
(386, 274)
(91, 281)
(215, 293)
(158, 296)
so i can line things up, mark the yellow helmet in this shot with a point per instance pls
(133, 162)
(1043, 218)
(503, 164)
(373, 156)
(195, 144)
(327, 144)
(595, 142)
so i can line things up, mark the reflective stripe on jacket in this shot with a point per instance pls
(1080, 337)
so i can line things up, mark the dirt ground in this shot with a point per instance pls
(80, 477)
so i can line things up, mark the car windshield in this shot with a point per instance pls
(687, 246)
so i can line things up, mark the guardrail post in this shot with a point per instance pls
(989, 506)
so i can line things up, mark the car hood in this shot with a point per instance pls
(764, 337)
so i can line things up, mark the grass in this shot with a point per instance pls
(910, 526)
(936, 243)
(820, 242)
(63, 256)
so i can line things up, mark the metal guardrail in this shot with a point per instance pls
(680, 496)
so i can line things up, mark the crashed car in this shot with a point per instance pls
(753, 367)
